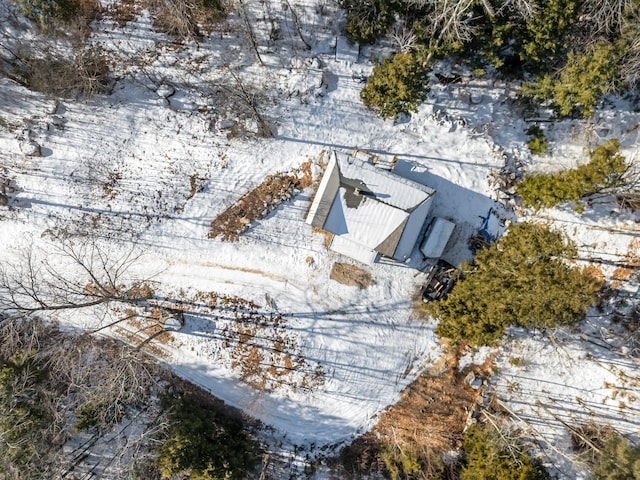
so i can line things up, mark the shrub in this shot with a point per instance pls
(547, 30)
(23, 414)
(407, 461)
(205, 444)
(521, 280)
(367, 20)
(576, 91)
(397, 85)
(605, 170)
(617, 460)
(87, 73)
(538, 143)
(514, 39)
(52, 14)
(488, 456)
(183, 19)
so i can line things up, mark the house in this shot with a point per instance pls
(369, 210)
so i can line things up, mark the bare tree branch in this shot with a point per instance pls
(79, 274)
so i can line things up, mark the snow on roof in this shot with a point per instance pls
(387, 187)
(353, 249)
(363, 219)
(436, 238)
(371, 208)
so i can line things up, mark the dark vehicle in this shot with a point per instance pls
(440, 281)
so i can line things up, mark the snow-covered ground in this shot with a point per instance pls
(122, 168)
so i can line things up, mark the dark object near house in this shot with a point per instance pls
(440, 281)
(449, 80)
(485, 237)
(173, 320)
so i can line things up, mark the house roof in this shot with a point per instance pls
(369, 210)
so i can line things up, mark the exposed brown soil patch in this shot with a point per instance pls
(431, 415)
(629, 265)
(351, 275)
(328, 236)
(257, 203)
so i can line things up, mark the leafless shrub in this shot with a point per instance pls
(176, 18)
(404, 38)
(587, 440)
(185, 19)
(85, 73)
(606, 17)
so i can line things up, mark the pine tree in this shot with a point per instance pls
(586, 77)
(605, 170)
(397, 85)
(522, 280)
(205, 444)
(488, 456)
(617, 460)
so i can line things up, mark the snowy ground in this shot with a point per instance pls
(121, 168)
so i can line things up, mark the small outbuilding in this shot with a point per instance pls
(436, 237)
(369, 210)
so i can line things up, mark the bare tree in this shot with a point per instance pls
(78, 273)
(606, 17)
(404, 37)
(447, 21)
(242, 10)
(242, 99)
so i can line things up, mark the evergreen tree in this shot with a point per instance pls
(205, 444)
(489, 457)
(605, 170)
(586, 77)
(397, 85)
(522, 280)
(617, 460)
(367, 20)
(23, 412)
